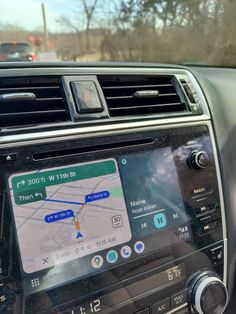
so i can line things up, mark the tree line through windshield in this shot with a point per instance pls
(164, 31)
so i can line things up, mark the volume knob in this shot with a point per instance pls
(198, 160)
(207, 294)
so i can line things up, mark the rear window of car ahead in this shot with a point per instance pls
(13, 48)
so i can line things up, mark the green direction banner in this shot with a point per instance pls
(43, 179)
(30, 196)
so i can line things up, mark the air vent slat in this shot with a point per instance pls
(50, 99)
(148, 106)
(12, 89)
(136, 86)
(32, 117)
(142, 95)
(32, 113)
(40, 92)
(129, 97)
(49, 106)
(119, 97)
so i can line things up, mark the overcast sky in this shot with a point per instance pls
(27, 13)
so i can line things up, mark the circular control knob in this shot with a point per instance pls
(198, 160)
(207, 294)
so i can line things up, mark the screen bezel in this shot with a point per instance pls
(156, 259)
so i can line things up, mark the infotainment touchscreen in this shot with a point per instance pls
(85, 218)
(66, 213)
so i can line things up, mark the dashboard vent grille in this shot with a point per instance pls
(142, 95)
(47, 107)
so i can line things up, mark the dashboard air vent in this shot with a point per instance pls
(31, 101)
(143, 95)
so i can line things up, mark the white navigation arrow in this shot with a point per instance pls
(22, 182)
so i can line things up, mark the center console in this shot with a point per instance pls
(121, 223)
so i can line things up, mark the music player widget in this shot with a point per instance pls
(156, 204)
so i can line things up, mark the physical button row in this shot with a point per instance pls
(167, 305)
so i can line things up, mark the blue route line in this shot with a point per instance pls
(65, 202)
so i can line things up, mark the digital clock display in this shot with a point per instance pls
(92, 307)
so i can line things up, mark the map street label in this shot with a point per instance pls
(96, 196)
(59, 216)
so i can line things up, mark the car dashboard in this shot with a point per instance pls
(117, 188)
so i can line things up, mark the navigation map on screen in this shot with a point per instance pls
(68, 212)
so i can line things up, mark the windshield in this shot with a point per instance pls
(186, 32)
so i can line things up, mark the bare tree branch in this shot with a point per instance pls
(89, 9)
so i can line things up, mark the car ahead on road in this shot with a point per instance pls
(16, 51)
